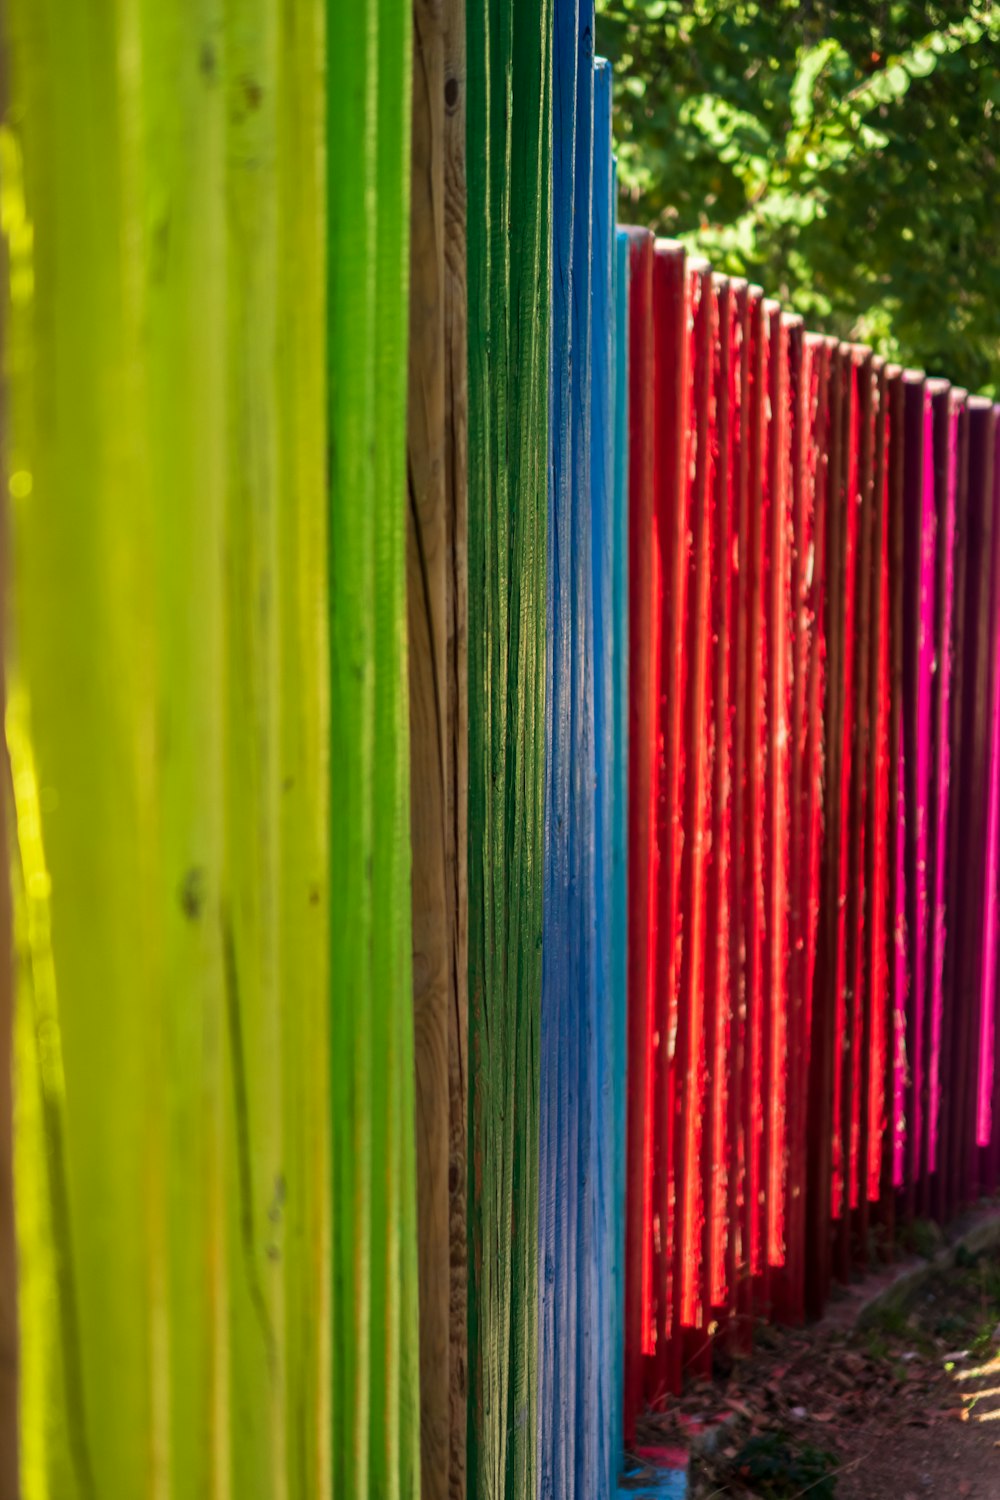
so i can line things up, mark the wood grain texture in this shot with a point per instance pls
(437, 589)
(429, 564)
(509, 256)
(457, 779)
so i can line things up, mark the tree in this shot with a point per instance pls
(845, 156)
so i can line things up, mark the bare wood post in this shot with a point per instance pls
(456, 847)
(437, 622)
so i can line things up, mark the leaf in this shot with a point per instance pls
(813, 63)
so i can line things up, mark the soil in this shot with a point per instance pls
(906, 1408)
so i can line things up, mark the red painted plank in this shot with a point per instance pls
(878, 1027)
(738, 1251)
(643, 695)
(718, 1157)
(824, 1051)
(859, 501)
(757, 538)
(777, 711)
(696, 845)
(671, 315)
(807, 380)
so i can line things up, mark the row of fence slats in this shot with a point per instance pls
(214, 1062)
(508, 104)
(734, 709)
(814, 806)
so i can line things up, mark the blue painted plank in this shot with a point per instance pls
(570, 1330)
(598, 1404)
(670, 1484)
(557, 1210)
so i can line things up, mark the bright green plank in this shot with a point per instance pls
(375, 1373)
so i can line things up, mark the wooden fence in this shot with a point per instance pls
(816, 580)
(504, 769)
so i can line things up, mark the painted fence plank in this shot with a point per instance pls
(808, 382)
(990, 1152)
(919, 542)
(81, 1039)
(456, 464)
(952, 1101)
(643, 690)
(986, 982)
(753, 545)
(824, 1033)
(304, 665)
(671, 539)
(896, 1145)
(739, 1282)
(878, 954)
(508, 106)
(946, 411)
(13, 227)
(944, 406)
(620, 828)
(596, 1401)
(375, 1384)
(569, 953)
(975, 739)
(690, 1055)
(778, 710)
(859, 895)
(989, 1079)
(717, 1163)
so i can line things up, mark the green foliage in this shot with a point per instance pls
(844, 155)
(776, 1470)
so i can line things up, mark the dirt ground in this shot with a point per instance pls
(906, 1408)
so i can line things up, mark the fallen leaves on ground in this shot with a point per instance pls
(890, 1403)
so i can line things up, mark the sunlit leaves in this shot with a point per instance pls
(845, 155)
